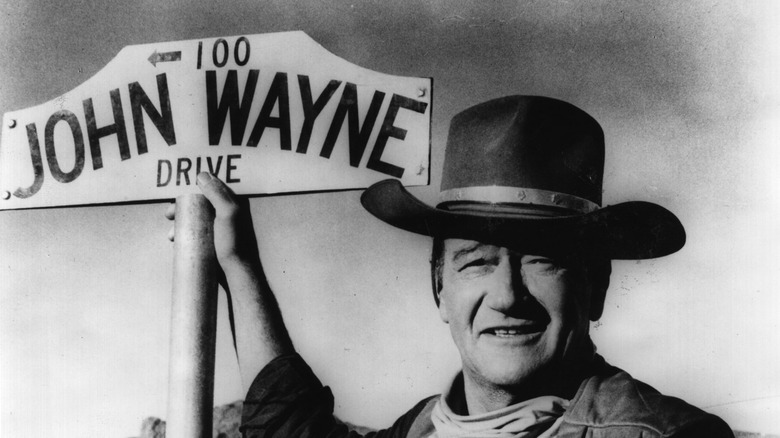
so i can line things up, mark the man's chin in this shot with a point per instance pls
(502, 364)
(510, 374)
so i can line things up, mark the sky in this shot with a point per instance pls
(688, 99)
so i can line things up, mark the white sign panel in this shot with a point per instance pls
(266, 113)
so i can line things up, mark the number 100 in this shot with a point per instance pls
(220, 52)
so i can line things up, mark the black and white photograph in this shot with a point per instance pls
(425, 219)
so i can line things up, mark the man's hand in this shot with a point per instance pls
(259, 331)
(234, 234)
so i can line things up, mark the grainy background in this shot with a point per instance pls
(686, 93)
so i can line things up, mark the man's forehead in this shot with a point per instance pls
(453, 243)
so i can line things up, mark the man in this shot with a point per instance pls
(520, 266)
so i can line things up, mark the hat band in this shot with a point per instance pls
(517, 195)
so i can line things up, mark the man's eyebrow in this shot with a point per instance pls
(470, 248)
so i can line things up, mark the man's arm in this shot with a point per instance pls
(259, 331)
(286, 399)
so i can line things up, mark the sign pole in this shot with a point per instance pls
(193, 321)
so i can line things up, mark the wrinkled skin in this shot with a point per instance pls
(519, 321)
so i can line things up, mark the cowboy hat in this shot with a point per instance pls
(526, 172)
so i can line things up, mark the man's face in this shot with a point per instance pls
(512, 315)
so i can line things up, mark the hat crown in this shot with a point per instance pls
(528, 143)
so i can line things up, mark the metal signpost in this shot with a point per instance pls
(270, 113)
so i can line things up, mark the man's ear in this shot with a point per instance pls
(599, 280)
(443, 307)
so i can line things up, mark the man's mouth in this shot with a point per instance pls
(516, 330)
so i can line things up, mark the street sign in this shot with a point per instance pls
(266, 113)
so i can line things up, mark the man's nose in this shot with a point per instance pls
(509, 288)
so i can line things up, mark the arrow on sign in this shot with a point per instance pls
(164, 57)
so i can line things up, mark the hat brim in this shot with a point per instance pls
(629, 231)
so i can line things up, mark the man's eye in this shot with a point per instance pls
(538, 261)
(473, 264)
(541, 265)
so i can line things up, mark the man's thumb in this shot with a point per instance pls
(217, 192)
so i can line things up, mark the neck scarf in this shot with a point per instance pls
(535, 418)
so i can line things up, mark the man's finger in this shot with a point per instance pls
(221, 197)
